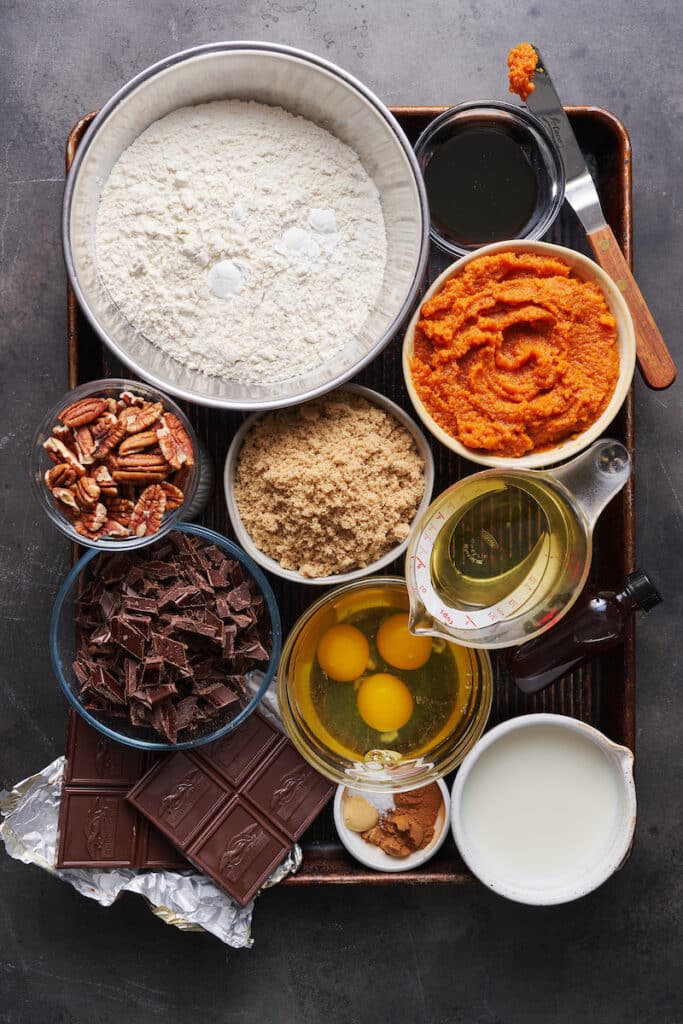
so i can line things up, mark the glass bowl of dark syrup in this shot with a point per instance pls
(492, 172)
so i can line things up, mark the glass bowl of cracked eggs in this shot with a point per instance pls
(245, 225)
(115, 465)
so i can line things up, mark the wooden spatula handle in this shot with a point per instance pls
(654, 361)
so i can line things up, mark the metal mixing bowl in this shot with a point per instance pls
(301, 83)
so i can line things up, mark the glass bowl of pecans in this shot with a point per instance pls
(116, 464)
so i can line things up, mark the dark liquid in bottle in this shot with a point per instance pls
(481, 187)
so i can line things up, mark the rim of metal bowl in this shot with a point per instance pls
(269, 674)
(287, 51)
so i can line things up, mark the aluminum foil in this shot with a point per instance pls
(185, 899)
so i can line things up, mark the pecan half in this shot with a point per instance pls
(137, 478)
(65, 496)
(85, 444)
(103, 477)
(58, 452)
(64, 434)
(138, 442)
(120, 509)
(94, 520)
(106, 444)
(174, 442)
(180, 478)
(140, 467)
(127, 398)
(101, 426)
(80, 527)
(87, 493)
(84, 411)
(61, 475)
(140, 417)
(174, 496)
(148, 512)
(113, 528)
(141, 461)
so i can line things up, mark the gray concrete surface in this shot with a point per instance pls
(340, 956)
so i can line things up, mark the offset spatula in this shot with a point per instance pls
(654, 361)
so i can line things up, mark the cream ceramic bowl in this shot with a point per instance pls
(563, 887)
(586, 269)
(377, 859)
(270, 564)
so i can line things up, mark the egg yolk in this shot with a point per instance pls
(399, 647)
(343, 653)
(384, 702)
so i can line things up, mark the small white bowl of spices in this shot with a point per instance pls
(393, 831)
(327, 492)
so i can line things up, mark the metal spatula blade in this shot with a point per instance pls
(654, 360)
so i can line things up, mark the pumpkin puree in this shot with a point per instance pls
(522, 61)
(515, 354)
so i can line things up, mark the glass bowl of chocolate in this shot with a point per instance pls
(116, 464)
(168, 647)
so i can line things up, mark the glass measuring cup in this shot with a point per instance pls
(502, 555)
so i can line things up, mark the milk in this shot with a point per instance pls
(540, 806)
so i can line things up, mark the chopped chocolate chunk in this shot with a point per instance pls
(223, 608)
(108, 604)
(114, 568)
(103, 683)
(166, 721)
(161, 570)
(184, 625)
(254, 649)
(141, 622)
(217, 578)
(240, 597)
(187, 713)
(81, 671)
(172, 651)
(241, 621)
(152, 668)
(220, 696)
(151, 695)
(127, 635)
(130, 675)
(140, 604)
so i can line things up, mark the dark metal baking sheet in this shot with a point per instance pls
(603, 693)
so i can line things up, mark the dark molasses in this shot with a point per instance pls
(481, 186)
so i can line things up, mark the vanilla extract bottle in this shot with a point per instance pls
(596, 623)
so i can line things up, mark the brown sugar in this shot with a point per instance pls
(522, 61)
(329, 486)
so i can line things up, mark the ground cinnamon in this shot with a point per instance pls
(410, 824)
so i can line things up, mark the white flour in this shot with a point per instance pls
(244, 241)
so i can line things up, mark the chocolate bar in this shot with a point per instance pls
(97, 827)
(236, 806)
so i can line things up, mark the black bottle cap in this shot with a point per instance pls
(642, 590)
